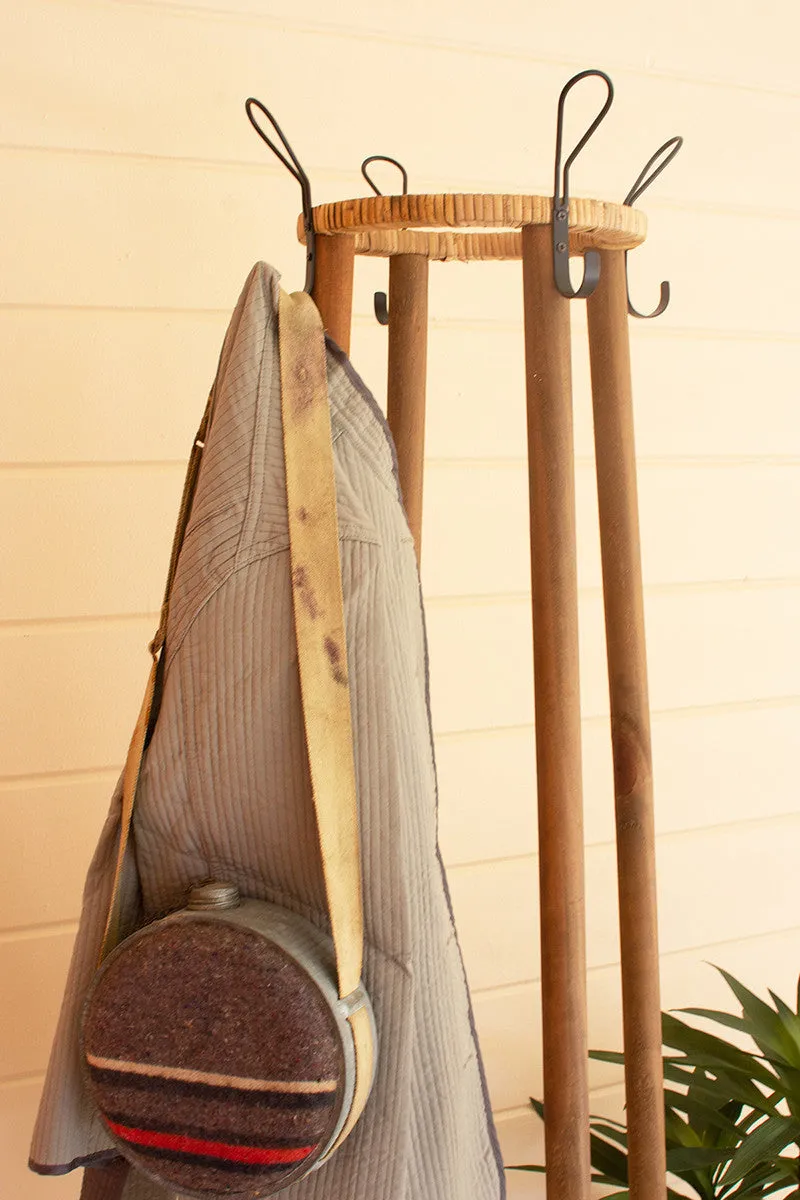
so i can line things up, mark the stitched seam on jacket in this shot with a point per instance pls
(259, 556)
(260, 423)
(361, 447)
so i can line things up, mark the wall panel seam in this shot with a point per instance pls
(447, 46)
(678, 462)
(520, 985)
(14, 627)
(661, 837)
(328, 174)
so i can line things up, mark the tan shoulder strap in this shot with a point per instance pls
(133, 761)
(319, 621)
(322, 652)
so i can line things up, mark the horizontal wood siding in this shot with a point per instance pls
(135, 200)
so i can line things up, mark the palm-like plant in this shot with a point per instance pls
(732, 1116)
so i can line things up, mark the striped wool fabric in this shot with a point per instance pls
(225, 794)
(213, 1058)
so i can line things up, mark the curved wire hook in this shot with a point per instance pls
(591, 271)
(643, 181)
(380, 298)
(383, 158)
(293, 166)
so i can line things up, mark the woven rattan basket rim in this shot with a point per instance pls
(427, 224)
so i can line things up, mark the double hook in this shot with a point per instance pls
(293, 166)
(643, 181)
(380, 300)
(591, 271)
(591, 262)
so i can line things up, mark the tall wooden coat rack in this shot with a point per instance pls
(412, 230)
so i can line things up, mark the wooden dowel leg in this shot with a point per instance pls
(333, 285)
(558, 730)
(630, 726)
(408, 364)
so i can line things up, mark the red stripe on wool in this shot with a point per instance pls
(190, 1145)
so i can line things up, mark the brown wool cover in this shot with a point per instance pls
(214, 1058)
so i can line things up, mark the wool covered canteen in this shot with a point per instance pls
(216, 1047)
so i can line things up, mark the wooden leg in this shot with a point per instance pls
(333, 285)
(408, 364)
(630, 726)
(558, 727)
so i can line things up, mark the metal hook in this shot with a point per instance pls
(383, 158)
(380, 299)
(591, 272)
(295, 169)
(643, 182)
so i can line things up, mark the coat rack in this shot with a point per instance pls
(544, 231)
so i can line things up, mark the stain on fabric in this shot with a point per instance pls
(305, 592)
(334, 654)
(311, 385)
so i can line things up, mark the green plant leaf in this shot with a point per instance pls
(607, 1121)
(692, 1158)
(703, 1117)
(681, 1136)
(787, 1083)
(767, 1029)
(609, 1056)
(726, 1084)
(785, 1172)
(676, 1070)
(791, 1024)
(538, 1170)
(609, 1160)
(610, 1132)
(679, 1132)
(760, 1146)
(765, 1180)
(781, 1006)
(722, 1018)
(537, 1107)
(694, 1042)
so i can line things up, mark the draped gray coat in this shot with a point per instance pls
(225, 790)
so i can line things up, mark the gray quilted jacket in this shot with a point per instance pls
(225, 790)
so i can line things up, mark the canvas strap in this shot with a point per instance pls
(322, 649)
(133, 761)
(322, 658)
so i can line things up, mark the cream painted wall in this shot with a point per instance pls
(134, 199)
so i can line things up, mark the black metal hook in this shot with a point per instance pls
(383, 158)
(591, 272)
(643, 181)
(295, 169)
(380, 299)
